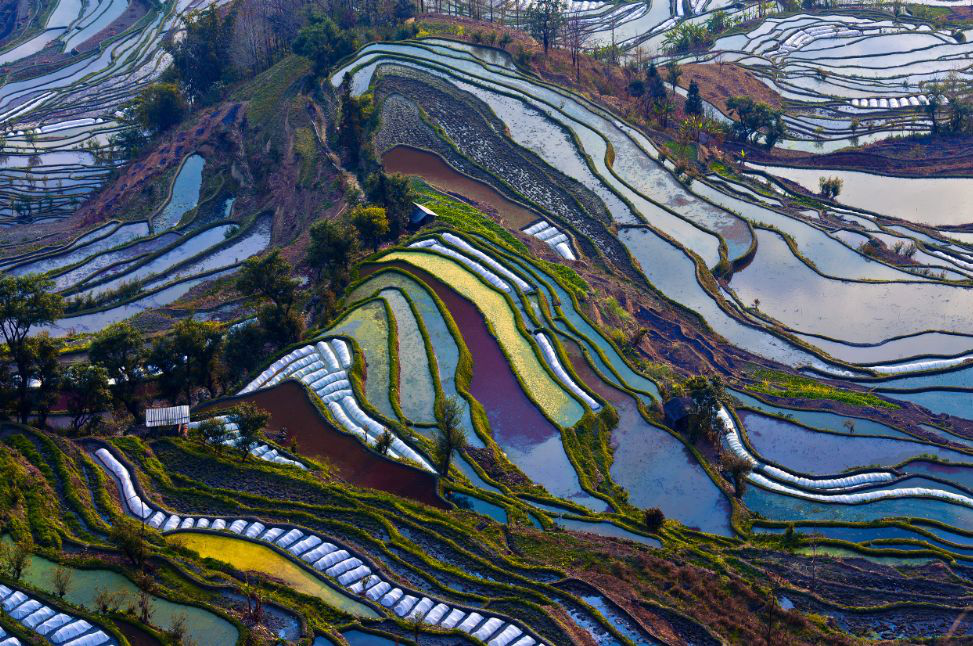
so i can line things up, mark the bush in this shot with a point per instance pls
(160, 106)
(653, 519)
(830, 186)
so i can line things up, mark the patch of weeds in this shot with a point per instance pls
(782, 384)
(464, 217)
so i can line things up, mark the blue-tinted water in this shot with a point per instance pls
(478, 505)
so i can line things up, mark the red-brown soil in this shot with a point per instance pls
(913, 157)
(717, 83)
(145, 172)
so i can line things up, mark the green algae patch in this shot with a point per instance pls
(251, 557)
(536, 381)
(782, 384)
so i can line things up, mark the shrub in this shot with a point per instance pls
(160, 106)
(653, 519)
(739, 468)
(830, 186)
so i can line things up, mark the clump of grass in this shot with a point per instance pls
(568, 278)
(782, 384)
(306, 147)
(264, 92)
(464, 217)
(613, 308)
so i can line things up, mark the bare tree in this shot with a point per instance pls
(575, 37)
(62, 580)
(253, 37)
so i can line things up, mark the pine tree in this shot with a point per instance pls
(694, 104)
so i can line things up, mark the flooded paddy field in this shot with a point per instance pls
(635, 378)
(291, 409)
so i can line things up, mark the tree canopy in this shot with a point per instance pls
(201, 57)
(755, 119)
(371, 222)
(26, 303)
(87, 395)
(694, 103)
(268, 279)
(323, 43)
(120, 349)
(250, 419)
(188, 358)
(395, 193)
(331, 248)
(160, 106)
(544, 20)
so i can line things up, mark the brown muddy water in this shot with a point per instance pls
(431, 167)
(289, 406)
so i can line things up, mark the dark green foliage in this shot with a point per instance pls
(636, 88)
(188, 358)
(653, 519)
(830, 186)
(88, 395)
(128, 142)
(44, 370)
(755, 119)
(331, 249)
(15, 559)
(656, 101)
(384, 442)
(120, 349)
(25, 303)
(739, 468)
(354, 121)
(394, 192)
(694, 103)
(686, 37)
(212, 431)
(280, 327)
(250, 420)
(718, 22)
(955, 95)
(404, 9)
(323, 43)
(201, 58)
(160, 106)
(707, 395)
(544, 20)
(673, 72)
(129, 537)
(268, 280)
(372, 224)
(450, 437)
(243, 352)
(654, 85)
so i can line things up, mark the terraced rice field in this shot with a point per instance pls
(571, 289)
(779, 328)
(52, 116)
(539, 384)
